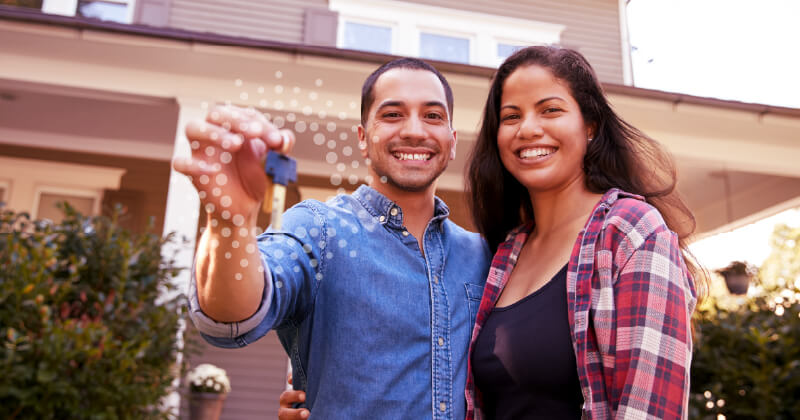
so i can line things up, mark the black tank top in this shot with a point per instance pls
(523, 361)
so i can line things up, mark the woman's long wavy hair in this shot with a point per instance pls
(619, 155)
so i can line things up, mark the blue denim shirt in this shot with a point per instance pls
(374, 327)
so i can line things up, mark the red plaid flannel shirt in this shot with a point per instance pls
(630, 300)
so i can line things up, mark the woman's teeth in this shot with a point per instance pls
(536, 152)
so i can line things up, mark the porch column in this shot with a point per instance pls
(183, 210)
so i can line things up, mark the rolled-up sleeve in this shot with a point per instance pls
(292, 271)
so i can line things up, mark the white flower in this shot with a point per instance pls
(209, 378)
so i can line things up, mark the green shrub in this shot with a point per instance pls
(747, 353)
(88, 318)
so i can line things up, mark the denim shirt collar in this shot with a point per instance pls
(387, 212)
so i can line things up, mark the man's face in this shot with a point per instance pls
(408, 137)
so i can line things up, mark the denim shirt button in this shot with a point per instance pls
(442, 406)
(436, 279)
(393, 211)
(441, 341)
(405, 233)
(382, 218)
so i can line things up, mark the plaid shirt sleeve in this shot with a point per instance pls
(654, 298)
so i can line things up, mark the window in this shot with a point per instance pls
(365, 37)
(111, 10)
(85, 202)
(505, 50)
(116, 11)
(417, 30)
(444, 48)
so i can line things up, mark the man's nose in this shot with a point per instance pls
(413, 128)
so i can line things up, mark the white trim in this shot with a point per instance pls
(31, 177)
(96, 195)
(625, 39)
(5, 184)
(409, 19)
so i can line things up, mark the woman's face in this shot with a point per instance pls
(542, 137)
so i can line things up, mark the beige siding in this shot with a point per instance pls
(593, 26)
(277, 20)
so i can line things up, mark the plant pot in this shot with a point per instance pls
(737, 283)
(205, 405)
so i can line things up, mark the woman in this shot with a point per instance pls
(586, 311)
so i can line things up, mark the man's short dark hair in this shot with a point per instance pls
(367, 94)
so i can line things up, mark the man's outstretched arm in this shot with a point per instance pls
(226, 167)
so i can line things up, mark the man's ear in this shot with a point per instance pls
(453, 148)
(362, 140)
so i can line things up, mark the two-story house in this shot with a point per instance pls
(94, 95)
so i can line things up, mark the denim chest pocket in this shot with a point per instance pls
(474, 294)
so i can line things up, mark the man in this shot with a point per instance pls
(373, 295)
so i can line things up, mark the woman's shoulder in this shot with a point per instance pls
(632, 216)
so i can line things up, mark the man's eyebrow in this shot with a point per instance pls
(436, 103)
(389, 103)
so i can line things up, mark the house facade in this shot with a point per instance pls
(94, 96)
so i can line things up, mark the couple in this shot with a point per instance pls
(389, 310)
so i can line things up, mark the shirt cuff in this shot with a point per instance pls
(213, 328)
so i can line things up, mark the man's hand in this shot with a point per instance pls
(287, 401)
(227, 168)
(227, 163)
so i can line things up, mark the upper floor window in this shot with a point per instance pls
(111, 10)
(366, 37)
(417, 30)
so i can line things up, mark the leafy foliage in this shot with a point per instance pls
(747, 354)
(88, 317)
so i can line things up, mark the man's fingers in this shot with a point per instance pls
(293, 413)
(287, 141)
(202, 134)
(288, 398)
(192, 167)
(249, 123)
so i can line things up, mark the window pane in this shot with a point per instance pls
(358, 36)
(116, 12)
(505, 50)
(444, 48)
(48, 210)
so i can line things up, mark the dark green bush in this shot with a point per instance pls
(747, 353)
(88, 318)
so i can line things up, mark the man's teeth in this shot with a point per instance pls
(536, 152)
(413, 156)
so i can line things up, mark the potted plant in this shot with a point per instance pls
(737, 276)
(208, 386)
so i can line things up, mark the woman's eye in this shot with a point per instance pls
(509, 117)
(551, 110)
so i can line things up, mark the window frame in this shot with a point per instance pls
(96, 195)
(409, 20)
(340, 30)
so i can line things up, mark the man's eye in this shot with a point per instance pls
(433, 115)
(391, 115)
